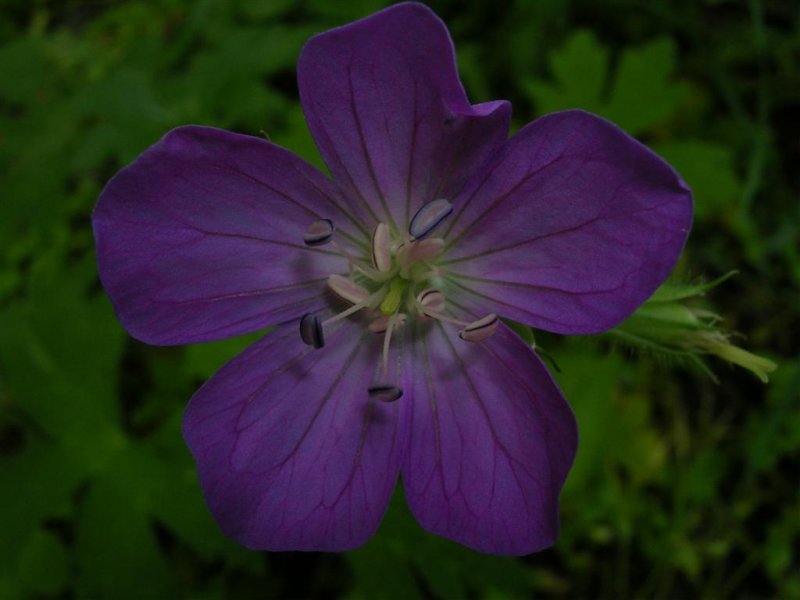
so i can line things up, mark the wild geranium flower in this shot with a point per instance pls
(385, 282)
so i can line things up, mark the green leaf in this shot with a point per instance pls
(201, 361)
(614, 427)
(266, 9)
(117, 552)
(402, 550)
(59, 361)
(643, 91)
(775, 433)
(671, 292)
(297, 138)
(126, 116)
(641, 95)
(780, 549)
(38, 483)
(24, 69)
(343, 12)
(170, 493)
(44, 565)
(236, 66)
(579, 70)
(708, 168)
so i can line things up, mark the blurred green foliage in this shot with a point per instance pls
(681, 487)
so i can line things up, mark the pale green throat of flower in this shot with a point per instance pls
(401, 281)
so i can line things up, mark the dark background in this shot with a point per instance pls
(683, 487)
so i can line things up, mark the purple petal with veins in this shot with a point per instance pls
(198, 238)
(389, 351)
(291, 451)
(570, 229)
(490, 442)
(385, 106)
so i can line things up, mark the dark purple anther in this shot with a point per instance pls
(428, 217)
(319, 233)
(479, 330)
(385, 392)
(311, 331)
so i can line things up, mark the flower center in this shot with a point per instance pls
(400, 280)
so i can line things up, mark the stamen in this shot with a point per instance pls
(368, 302)
(431, 300)
(354, 261)
(347, 289)
(390, 325)
(381, 248)
(402, 253)
(319, 233)
(380, 324)
(428, 217)
(425, 250)
(311, 328)
(385, 392)
(443, 317)
(356, 264)
(481, 329)
(311, 331)
(418, 251)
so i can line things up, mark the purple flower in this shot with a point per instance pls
(384, 283)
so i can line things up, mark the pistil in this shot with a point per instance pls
(368, 302)
(381, 248)
(430, 303)
(391, 302)
(312, 328)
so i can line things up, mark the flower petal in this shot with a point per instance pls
(490, 442)
(571, 229)
(384, 103)
(202, 237)
(292, 454)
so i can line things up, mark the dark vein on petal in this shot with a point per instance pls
(409, 175)
(434, 411)
(447, 172)
(496, 202)
(348, 363)
(457, 151)
(250, 397)
(494, 301)
(511, 459)
(235, 171)
(525, 178)
(362, 436)
(473, 389)
(364, 149)
(253, 238)
(341, 210)
(331, 148)
(250, 293)
(363, 433)
(597, 219)
(544, 421)
(464, 204)
(534, 286)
